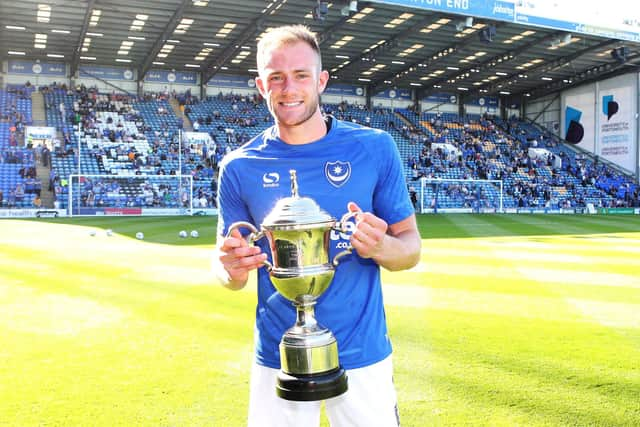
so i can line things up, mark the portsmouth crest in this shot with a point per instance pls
(337, 172)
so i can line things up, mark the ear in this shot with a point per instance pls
(323, 79)
(260, 86)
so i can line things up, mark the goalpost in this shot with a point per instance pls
(460, 195)
(130, 194)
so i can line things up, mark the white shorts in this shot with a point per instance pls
(370, 401)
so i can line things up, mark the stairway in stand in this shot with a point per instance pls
(46, 196)
(42, 172)
(175, 105)
(37, 109)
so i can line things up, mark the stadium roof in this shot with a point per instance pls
(374, 45)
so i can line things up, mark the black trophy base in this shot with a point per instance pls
(305, 388)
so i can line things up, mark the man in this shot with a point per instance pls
(342, 166)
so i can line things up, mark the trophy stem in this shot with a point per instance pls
(306, 317)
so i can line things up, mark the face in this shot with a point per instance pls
(291, 82)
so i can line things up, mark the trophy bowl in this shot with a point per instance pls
(298, 231)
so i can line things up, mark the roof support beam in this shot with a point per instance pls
(392, 42)
(546, 107)
(613, 70)
(160, 41)
(327, 34)
(212, 67)
(461, 46)
(511, 54)
(554, 64)
(83, 32)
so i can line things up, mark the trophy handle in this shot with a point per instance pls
(251, 238)
(341, 228)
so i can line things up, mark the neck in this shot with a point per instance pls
(311, 130)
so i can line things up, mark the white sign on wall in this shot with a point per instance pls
(578, 116)
(616, 120)
(40, 134)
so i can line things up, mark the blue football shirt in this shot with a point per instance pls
(351, 163)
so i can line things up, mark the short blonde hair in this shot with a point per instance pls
(286, 35)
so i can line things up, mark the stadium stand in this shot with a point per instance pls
(122, 136)
(483, 148)
(125, 136)
(19, 185)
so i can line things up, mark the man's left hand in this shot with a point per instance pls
(370, 233)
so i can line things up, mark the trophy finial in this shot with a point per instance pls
(294, 183)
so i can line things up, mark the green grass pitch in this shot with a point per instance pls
(508, 320)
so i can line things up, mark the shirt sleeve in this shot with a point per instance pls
(391, 200)
(231, 206)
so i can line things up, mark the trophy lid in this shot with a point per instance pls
(296, 211)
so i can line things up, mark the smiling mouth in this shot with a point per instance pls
(290, 104)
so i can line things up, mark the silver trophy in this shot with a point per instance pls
(298, 233)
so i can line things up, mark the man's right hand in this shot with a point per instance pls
(237, 258)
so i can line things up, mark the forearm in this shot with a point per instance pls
(399, 252)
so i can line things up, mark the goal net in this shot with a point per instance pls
(130, 195)
(459, 195)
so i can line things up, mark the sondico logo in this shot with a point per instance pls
(271, 179)
(343, 236)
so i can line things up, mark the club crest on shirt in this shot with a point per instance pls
(337, 172)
